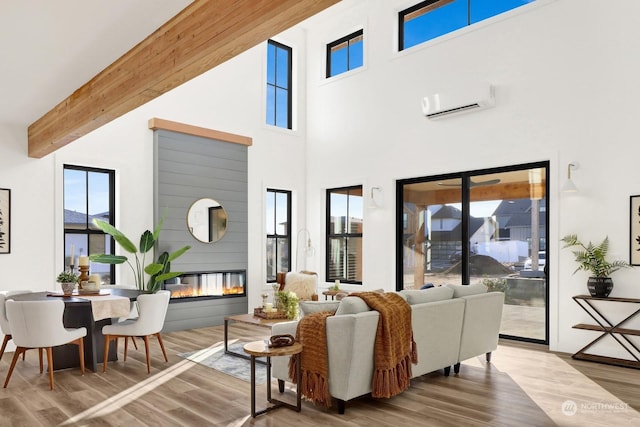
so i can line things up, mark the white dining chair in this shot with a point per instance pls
(152, 309)
(38, 324)
(4, 322)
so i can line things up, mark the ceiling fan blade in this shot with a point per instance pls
(471, 183)
(487, 182)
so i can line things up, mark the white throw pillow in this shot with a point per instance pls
(308, 307)
(352, 305)
(439, 293)
(464, 290)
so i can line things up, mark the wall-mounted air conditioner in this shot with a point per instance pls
(460, 99)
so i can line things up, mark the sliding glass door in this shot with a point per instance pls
(487, 227)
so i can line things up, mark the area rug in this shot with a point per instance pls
(215, 358)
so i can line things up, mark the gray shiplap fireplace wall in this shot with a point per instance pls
(187, 168)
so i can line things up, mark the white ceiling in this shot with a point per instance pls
(50, 48)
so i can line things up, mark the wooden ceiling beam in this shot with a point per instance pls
(205, 34)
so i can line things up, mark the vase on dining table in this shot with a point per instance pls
(68, 287)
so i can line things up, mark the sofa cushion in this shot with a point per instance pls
(464, 290)
(428, 295)
(308, 307)
(352, 305)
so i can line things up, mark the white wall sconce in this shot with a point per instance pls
(304, 249)
(376, 199)
(569, 186)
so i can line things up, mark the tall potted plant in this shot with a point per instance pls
(592, 258)
(158, 271)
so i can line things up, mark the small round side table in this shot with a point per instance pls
(262, 349)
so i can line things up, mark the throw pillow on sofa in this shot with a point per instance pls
(308, 307)
(465, 290)
(352, 305)
(428, 295)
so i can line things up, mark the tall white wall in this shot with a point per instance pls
(565, 73)
(228, 98)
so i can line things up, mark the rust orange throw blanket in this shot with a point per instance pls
(395, 349)
(312, 334)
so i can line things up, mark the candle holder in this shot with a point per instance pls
(84, 275)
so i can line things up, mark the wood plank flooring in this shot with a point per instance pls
(524, 385)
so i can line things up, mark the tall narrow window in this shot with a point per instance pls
(344, 234)
(278, 217)
(344, 54)
(88, 194)
(279, 96)
(433, 18)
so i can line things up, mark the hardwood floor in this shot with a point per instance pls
(523, 386)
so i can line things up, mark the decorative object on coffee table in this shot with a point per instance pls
(288, 303)
(592, 258)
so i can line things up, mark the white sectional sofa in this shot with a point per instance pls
(450, 324)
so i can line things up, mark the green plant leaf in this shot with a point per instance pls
(108, 258)
(119, 237)
(153, 268)
(178, 253)
(156, 231)
(147, 240)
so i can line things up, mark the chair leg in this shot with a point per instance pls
(133, 340)
(50, 364)
(126, 347)
(164, 353)
(4, 344)
(39, 358)
(488, 357)
(146, 349)
(80, 342)
(107, 339)
(16, 356)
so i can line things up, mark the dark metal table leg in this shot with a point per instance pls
(253, 385)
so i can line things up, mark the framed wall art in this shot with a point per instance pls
(5, 221)
(634, 230)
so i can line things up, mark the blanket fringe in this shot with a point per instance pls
(392, 381)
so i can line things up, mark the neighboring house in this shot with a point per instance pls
(514, 220)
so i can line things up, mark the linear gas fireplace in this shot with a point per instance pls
(208, 284)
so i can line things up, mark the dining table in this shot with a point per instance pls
(92, 311)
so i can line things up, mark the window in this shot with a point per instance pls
(279, 85)
(278, 215)
(88, 194)
(434, 18)
(344, 234)
(344, 54)
(480, 227)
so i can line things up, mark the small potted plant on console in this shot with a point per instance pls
(592, 258)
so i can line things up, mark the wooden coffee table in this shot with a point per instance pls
(262, 349)
(248, 319)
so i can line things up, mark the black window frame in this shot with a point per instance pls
(279, 237)
(345, 235)
(275, 85)
(87, 231)
(429, 6)
(348, 40)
